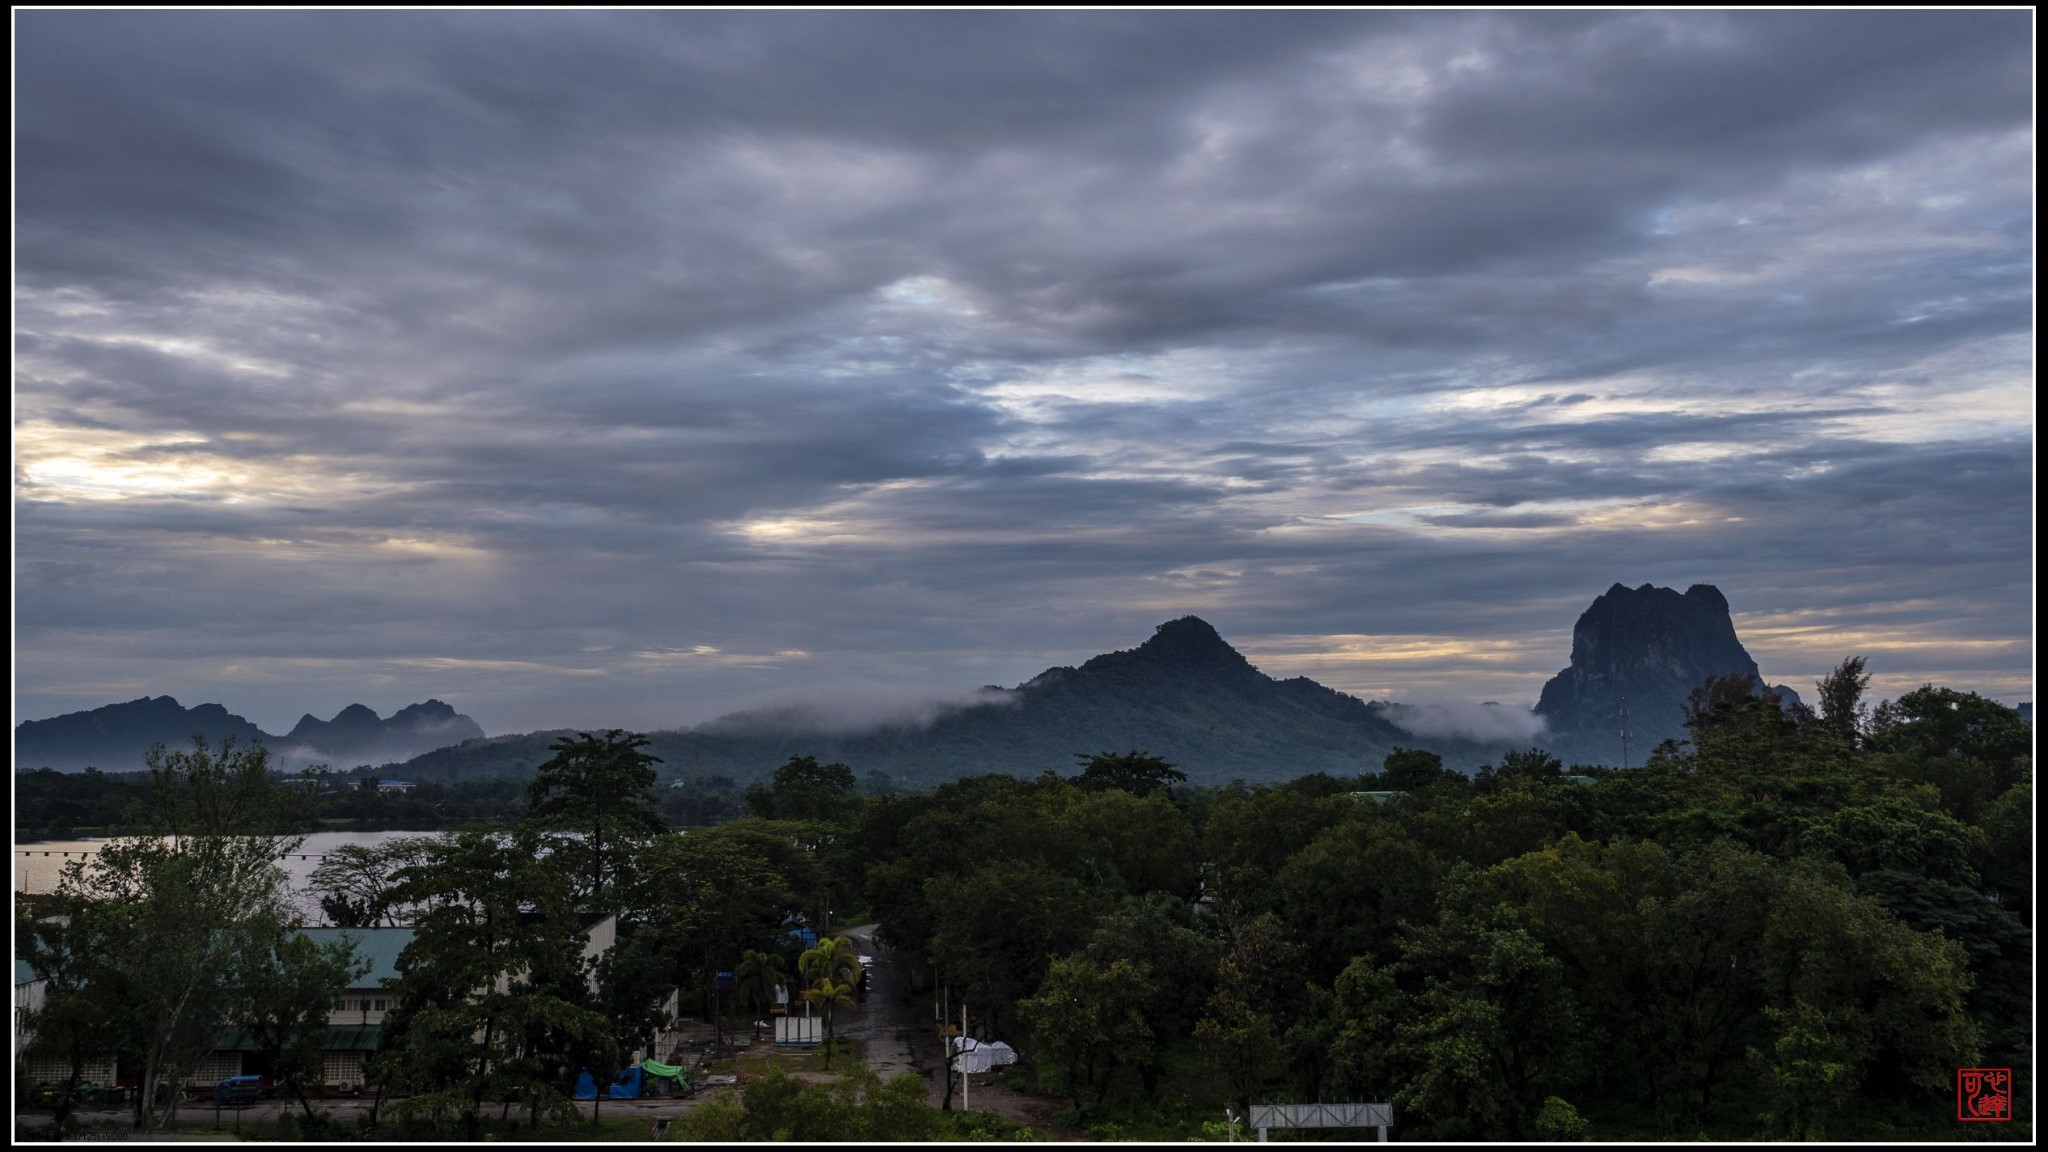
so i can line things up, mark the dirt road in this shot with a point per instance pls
(898, 1033)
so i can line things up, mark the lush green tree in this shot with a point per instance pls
(1088, 1020)
(1159, 935)
(1895, 834)
(597, 790)
(1738, 724)
(757, 976)
(1527, 765)
(354, 881)
(634, 982)
(1250, 837)
(1931, 721)
(72, 951)
(2005, 852)
(706, 898)
(1971, 750)
(1839, 709)
(1139, 773)
(702, 801)
(283, 989)
(1495, 1027)
(175, 907)
(1259, 990)
(1412, 770)
(1558, 1121)
(1000, 927)
(804, 789)
(1123, 843)
(1240, 1042)
(1855, 996)
(1997, 946)
(1347, 892)
(1366, 1006)
(493, 989)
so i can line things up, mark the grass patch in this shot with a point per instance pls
(802, 1059)
(980, 1126)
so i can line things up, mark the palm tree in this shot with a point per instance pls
(837, 958)
(755, 978)
(828, 994)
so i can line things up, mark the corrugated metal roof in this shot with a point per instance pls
(380, 946)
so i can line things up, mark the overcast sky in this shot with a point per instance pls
(622, 369)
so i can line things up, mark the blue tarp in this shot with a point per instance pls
(630, 1084)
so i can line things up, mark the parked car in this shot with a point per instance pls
(238, 1090)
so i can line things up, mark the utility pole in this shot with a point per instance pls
(945, 1007)
(963, 1055)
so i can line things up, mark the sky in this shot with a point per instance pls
(624, 369)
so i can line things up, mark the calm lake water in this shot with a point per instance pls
(37, 865)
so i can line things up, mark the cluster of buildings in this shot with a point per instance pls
(354, 1022)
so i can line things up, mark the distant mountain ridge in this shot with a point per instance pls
(117, 737)
(1648, 648)
(1184, 694)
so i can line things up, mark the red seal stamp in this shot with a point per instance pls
(1983, 1093)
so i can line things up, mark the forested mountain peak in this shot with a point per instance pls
(1189, 644)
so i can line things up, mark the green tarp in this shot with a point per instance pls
(666, 1071)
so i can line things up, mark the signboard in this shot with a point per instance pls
(1380, 1116)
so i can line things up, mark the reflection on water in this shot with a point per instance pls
(37, 866)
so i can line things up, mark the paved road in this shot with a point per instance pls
(893, 1025)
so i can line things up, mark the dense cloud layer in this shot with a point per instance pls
(626, 368)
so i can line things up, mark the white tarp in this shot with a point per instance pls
(976, 1056)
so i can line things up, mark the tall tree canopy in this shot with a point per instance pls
(598, 790)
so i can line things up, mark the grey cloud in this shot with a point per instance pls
(944, 347)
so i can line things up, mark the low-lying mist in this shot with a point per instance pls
(1487, 723)
(851, 712)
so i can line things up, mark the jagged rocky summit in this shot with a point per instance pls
(1647, 647)
(117, 737)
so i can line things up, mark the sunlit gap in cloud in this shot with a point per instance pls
(1798, 647)
(1409, 666)
(708, 656)
(57, 462)
(1048, 392)
(468, 664)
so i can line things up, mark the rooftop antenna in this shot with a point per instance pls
(1624, 731)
